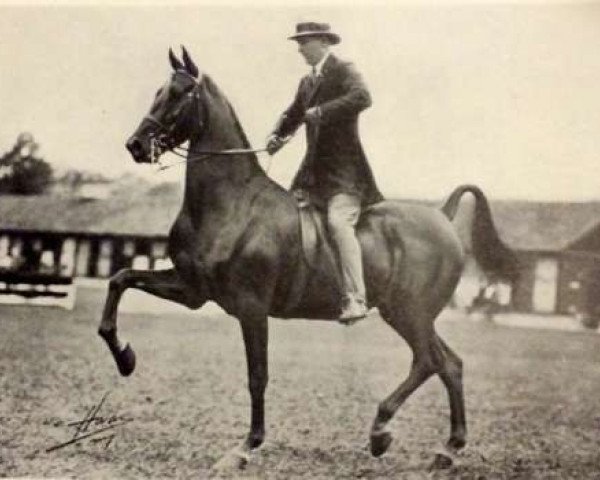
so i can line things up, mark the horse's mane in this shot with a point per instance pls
(215, 92)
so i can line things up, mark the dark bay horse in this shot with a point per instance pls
(237, 242)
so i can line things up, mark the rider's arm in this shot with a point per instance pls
(293, 116)
(355, 97)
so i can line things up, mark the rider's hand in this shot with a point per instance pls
(274, 143)
(312, 115)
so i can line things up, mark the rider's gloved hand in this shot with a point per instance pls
(274, 143)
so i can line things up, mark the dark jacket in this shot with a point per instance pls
(335, 161)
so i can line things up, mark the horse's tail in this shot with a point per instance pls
(490, 252)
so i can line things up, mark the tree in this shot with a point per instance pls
(22, 172)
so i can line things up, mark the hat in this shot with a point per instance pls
(313, 29)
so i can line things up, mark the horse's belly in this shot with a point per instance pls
(321, 299)
(314, 292)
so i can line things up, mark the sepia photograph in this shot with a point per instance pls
(300, 240)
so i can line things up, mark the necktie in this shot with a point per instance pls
(313, 77)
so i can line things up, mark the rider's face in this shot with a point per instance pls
(312, 49)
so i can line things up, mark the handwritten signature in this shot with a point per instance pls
(94, 427)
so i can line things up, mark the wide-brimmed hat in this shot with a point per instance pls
(314, 29)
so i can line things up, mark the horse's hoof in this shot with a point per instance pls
(254, 441)
(447, 456)
(233, 461)
(441, 461)
(455, 444)
(380, 442)
(126, 361)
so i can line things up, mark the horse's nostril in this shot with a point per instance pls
(134, 146)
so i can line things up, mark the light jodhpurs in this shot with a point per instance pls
(343, 211)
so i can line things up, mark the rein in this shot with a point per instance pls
(204, 154)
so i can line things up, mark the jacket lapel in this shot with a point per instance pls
(312, 96)
(312, 91)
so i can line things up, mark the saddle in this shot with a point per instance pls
(315, 237)
(315, 291)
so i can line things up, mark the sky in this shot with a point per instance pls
(503, 95)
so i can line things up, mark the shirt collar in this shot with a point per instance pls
(318, 68)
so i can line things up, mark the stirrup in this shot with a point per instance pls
(354, 309)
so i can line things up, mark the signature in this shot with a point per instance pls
(95, 427)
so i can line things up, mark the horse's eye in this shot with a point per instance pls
(177, 90)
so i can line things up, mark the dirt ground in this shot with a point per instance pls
(532, 399)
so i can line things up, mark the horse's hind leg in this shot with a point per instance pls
(451, 375)
(162, 283)
(418, 331)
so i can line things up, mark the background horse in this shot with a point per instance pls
(236, 241)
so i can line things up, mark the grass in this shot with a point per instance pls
(531, 398)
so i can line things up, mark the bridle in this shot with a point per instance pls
(160, 143)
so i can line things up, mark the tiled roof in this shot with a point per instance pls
(151, 211)
(543, 226)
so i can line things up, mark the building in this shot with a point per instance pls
(558, 244)
(85, 237)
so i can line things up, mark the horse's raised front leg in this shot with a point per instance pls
(161, 283)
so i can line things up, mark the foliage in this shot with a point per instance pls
(22, 172)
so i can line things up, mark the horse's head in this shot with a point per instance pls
(169, 121)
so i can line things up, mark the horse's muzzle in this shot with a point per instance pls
(136, 149)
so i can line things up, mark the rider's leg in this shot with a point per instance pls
(343, 211)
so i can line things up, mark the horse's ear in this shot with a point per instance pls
(189, 63)
(175, 63)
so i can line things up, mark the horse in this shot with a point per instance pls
(237, 241)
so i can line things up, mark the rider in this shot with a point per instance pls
(334, 174)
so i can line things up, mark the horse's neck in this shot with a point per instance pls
(215, 181)
(219, 192)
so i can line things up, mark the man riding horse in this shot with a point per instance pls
(236, 239)
(334, 174)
